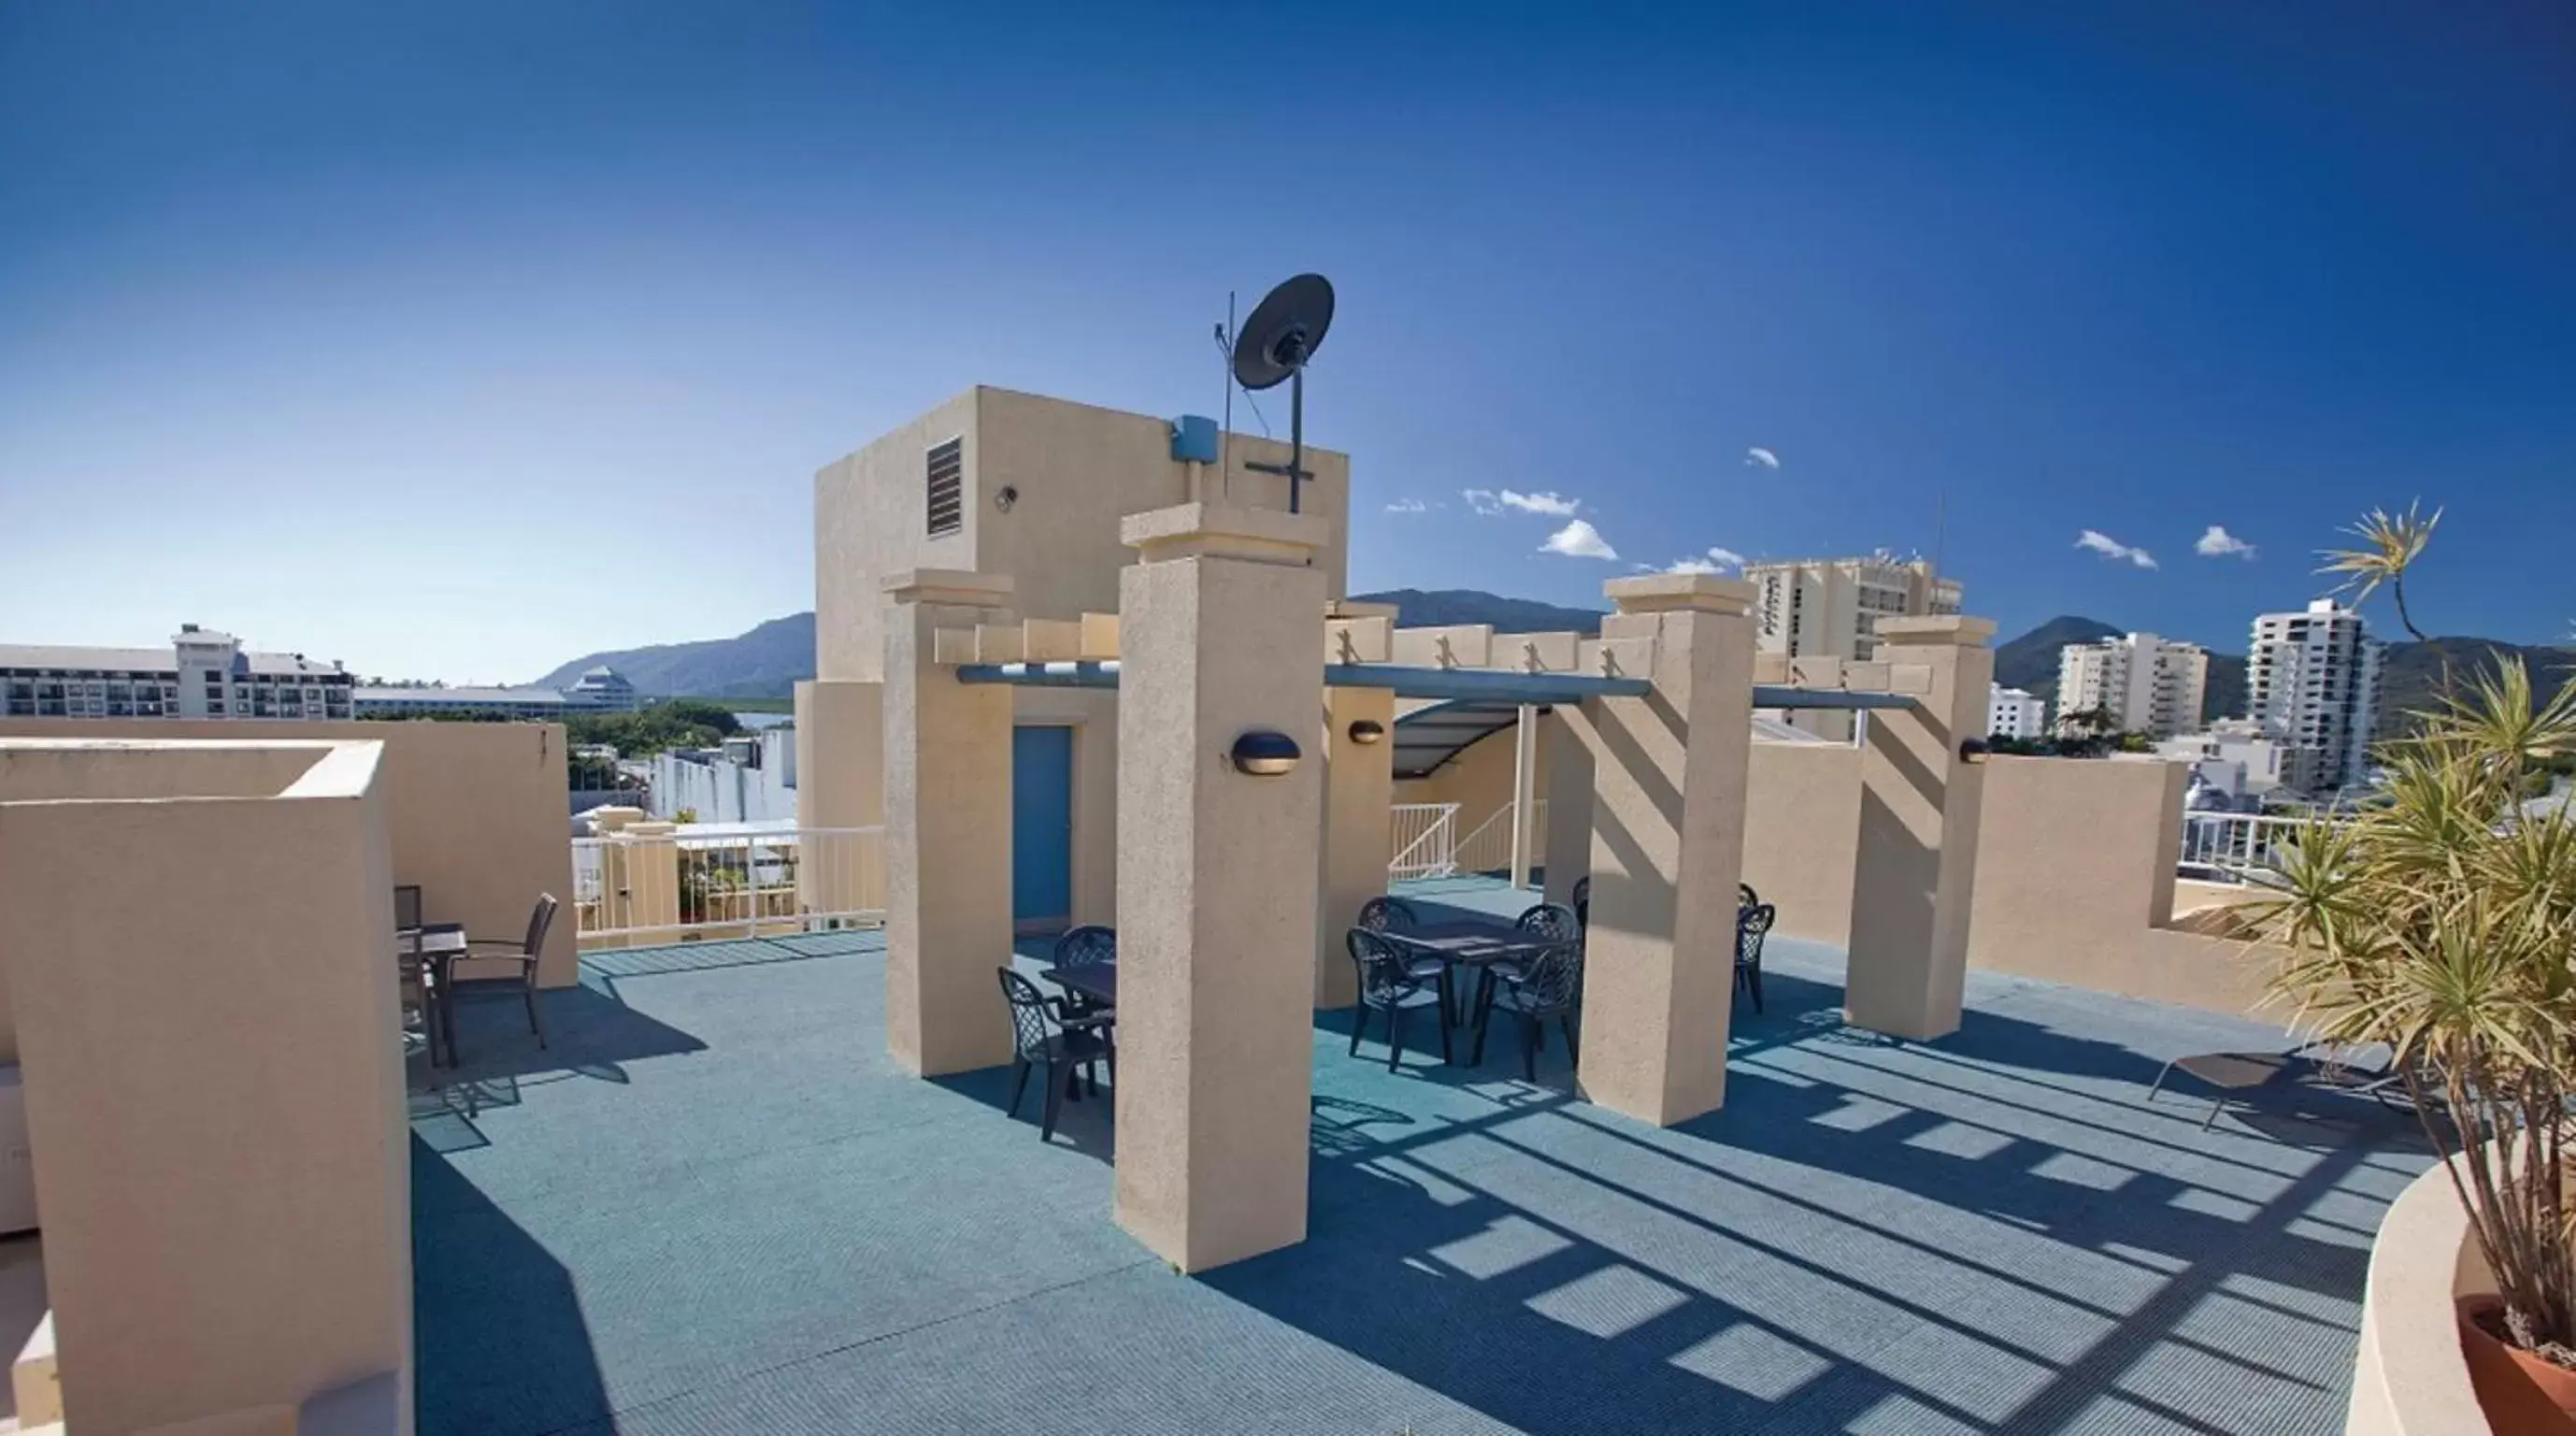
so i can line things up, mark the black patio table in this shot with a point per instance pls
(1097, 981)
(1470, 944)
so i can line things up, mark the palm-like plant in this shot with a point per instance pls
(2443, 924)
(2390, 544)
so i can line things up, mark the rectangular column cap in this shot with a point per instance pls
(1227, 531)
(950, 586)
(1938, 630)
(1678, 592)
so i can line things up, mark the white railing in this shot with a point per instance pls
(1424, 840)
(2230, 847)
(726, 880)
(1488, 847)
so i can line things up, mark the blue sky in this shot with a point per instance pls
(456, 340)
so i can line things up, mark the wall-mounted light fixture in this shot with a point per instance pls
(1265, 754)
(1973, 750)
(1004, 497)
(1368, 731)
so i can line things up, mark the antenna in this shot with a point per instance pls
(1285, 330)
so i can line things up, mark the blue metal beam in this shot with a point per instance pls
(1769, 695)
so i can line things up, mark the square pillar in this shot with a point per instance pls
(947, 831)
(1569, 806)
(1524, 791)
(1915, 862)
(1217, 880)
(1667, 845)
(1359, 794)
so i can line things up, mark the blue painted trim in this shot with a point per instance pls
(1768, 695)
(1459, 686)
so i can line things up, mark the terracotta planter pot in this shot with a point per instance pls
(2521, 1394)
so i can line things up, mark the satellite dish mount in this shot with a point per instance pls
(1285, 330)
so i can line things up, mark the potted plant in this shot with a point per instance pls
(2441, 922)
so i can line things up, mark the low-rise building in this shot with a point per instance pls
(2237, 756)
(202, 674)
(2014, 713)
(599, 690)
(750, 778)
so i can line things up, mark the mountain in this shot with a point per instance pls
(2029, 662)
(766, 662)
(1441, 608)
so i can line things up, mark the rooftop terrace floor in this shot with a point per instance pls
(717, 1205)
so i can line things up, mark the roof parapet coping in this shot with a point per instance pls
(957, 588)
(1937, 630)
(1225, 531)
(1678, 593)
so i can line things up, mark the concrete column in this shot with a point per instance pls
(948, 831)
(1359, 793)
(1524, 790)
(1667, 843)
(1915, 862)
(1217, 880)
(1569, 807)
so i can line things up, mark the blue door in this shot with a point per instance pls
(1041, 828)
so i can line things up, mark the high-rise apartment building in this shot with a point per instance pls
(2312, 679)
(2012, 713)
(203, 674)
(2139, 683)
(1829, 608)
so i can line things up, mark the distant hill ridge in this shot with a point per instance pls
(769, 660)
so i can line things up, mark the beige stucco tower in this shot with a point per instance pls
(1916, 860)
(1217, 881)
(1667, 845)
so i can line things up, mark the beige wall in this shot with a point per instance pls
(1077, 469)
(214, 1088)
(2409, 1376)
(1479, 779)
(2075, 867)
(478, 812)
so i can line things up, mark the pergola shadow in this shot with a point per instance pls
(1993, 1232)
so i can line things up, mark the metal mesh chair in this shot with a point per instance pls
(521, 954)
(1547, 988)
(1071, 1044)
(1745, 896)
(1390, 983)
(1380, 914)
(1583, 904)
(1752, 924)
(1551, 920)
(1086, 946)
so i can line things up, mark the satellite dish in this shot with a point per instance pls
(1285, 330)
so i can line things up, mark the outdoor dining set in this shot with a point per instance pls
(1463, 970)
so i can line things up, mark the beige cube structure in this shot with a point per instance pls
(1915, 865)
(199, 947)
(948, 830)
(1217, 881)
(1667, 844)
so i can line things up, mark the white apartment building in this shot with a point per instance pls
(2012, 713)
(2144, 684)
(202, 674)
(2312, 681)
(1829, 608)
(600, 689)
(751, 778)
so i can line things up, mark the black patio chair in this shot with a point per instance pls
(1583, 905)
(1553, 921)
(1752, 924)
(1745, 896)
(1390, 984)
(1380, 914)
(1086, 946)
(1073, 1045)
(521, 955)
(1545, 989)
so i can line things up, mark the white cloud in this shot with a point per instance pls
(2219, 543)
(1483, 501)
(1759, 457)
(1579, 539)
(1408, 506)
(1550, 503)
(2113, 549)
(1719, 560)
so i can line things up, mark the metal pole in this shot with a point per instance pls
(1296, 433)
(1524, 778)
